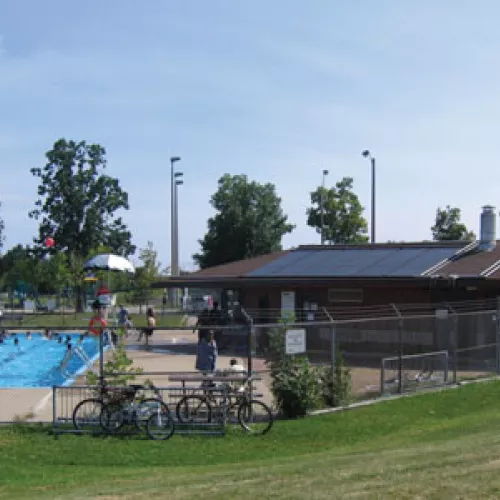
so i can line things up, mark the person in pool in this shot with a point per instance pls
(28, 335)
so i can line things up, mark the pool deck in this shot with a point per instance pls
(171, 351)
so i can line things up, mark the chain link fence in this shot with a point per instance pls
(392, 349)
(399, 349)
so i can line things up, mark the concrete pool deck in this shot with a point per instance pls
(171, 351)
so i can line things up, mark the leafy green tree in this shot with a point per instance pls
(145, 274)
(249, 221)
(16, 265)
(38, 275)
(342, 214)
(77, 205)
(448, 227)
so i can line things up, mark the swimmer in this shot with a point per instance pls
(80, 340)
(16, 341)
(69, 346)
(28, 335)
(68, 339)
(59, 340)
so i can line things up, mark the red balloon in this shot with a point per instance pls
(49, 242)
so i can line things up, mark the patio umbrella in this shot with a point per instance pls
(110, 262)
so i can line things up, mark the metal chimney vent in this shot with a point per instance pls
(488, 229)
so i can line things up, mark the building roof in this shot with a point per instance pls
(240, 268)
(475, 262)
(381, 261)
(386, 260)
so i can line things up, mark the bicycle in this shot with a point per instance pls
(87, 413)
(149, 413)
(253, 415)
(109, 410)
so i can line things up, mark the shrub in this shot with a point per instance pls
(335, 383)
(294, 382)
(119, 363)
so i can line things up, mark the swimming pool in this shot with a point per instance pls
(35, 361)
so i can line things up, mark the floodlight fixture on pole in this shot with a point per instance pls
(366, 153)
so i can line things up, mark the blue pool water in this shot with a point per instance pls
(36, 362)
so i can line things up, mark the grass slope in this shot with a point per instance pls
(441, 445)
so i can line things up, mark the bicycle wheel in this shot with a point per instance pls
(87, 415)
(255, 417)
(112, 418)
(160, 425)
(194, 410)
(147, 408)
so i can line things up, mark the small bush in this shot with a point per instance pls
(119, 363)
(335, 383)
(294, 383)
(296, 390)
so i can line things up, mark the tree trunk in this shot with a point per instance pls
(79, 298)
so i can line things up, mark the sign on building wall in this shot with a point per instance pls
(295, 341)
(287, 304)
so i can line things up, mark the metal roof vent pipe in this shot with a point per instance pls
(488, 229)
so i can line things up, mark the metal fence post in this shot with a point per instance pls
(333, 346)
(400, 348)
(497, 339)
(101, 357)
(251, 342)
(452, 345)
(54, 411)
(455, 345)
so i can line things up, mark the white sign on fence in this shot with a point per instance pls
(441, 313)
(295, 341)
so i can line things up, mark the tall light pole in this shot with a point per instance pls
(367, 154)
(322, 201)
(178, 182)
(173, 223)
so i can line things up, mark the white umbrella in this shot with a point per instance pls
(110, 262)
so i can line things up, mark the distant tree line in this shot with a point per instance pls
(77, 205)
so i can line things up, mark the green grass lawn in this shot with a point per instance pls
(441, 445)
(82, 319)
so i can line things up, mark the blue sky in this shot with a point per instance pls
(278, 90)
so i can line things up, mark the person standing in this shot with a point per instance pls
(123, 320)
(164, 304)
(216, 321)
(202, 324)
(206, 354)
(150, 325)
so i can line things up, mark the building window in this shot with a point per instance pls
(353, 295)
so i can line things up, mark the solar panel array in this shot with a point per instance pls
(395, 261)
